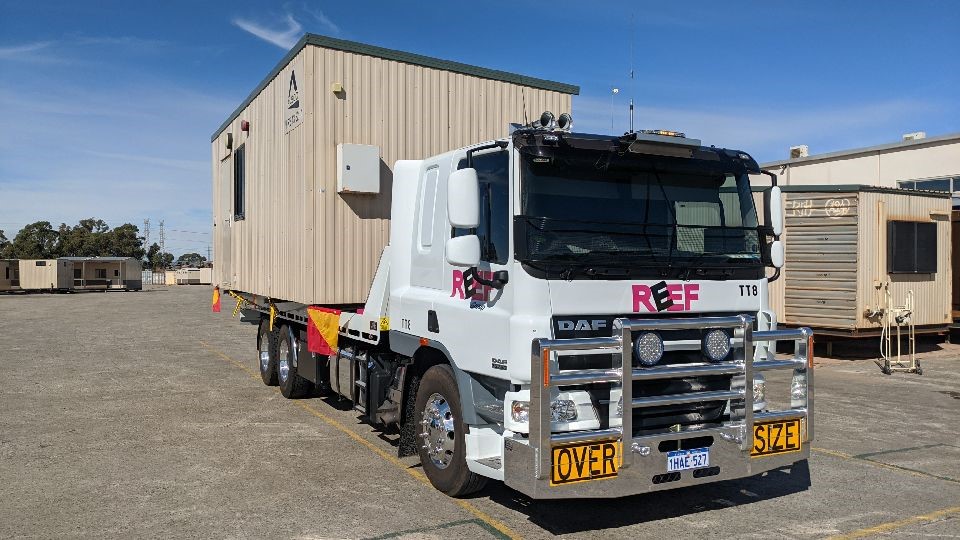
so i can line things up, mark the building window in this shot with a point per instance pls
(494, 230)
(77, 274)
(116, 273)
(911, 247)
(8, 273)
(239, 181)
(947, 184)
(40, 263)
(101, 273)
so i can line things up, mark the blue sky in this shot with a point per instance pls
(106, 108)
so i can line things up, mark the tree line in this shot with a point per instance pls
(89, 238)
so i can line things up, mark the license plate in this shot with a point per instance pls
(583, 462)
(682, 460)
(771, 438)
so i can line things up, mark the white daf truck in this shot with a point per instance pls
(574, 315)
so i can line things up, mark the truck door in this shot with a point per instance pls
(475, 325)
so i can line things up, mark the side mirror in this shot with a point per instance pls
(463, 199)
(776, 254)
(464, 250)
(775, 206)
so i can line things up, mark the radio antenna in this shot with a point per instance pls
(632, 30)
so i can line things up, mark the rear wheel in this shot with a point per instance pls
(292, 385)
(267, 353)
(439, 422)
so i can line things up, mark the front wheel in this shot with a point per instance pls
(439, 420)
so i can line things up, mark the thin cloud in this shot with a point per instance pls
(182, 164)
(26, 51)
(767, 133)
(324, 21)
(284, 38)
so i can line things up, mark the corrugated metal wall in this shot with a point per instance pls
(819, 285)
(301, 240)
(932, 292)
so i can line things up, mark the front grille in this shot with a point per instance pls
(649, 420)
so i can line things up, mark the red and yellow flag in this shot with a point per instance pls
(323, 329)
(216, 300)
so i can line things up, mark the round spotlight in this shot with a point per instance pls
(648, 348)
(565, 122)
(546, 119)
(716, 345)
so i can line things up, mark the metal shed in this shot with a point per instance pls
(106, 273)
(847, 244)
(9, 275)
(280, 161)
(46, 274)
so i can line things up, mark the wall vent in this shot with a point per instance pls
(799, 151)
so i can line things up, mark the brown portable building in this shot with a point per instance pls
(846, 243)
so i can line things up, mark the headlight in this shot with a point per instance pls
(520, 411)
(759, 391)
(798, 390)
(648, 348)
(561, 410)
(716, 345)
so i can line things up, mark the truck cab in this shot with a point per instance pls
(601, 304)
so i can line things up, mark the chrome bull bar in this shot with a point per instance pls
(546, 377)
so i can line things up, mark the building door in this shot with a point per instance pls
(222, 256)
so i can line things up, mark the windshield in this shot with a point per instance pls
(602, 213)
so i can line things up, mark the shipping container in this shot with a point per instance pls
(106, 273)
(46, 274)
(302, 170)
(9, 275)
(846, 244)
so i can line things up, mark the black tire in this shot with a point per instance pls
(455, 479)
(267, 343)
(292, 385)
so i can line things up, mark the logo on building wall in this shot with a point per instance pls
(293, 115)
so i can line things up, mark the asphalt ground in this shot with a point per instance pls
(128, 415)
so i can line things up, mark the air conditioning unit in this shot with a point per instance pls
(799, 151)
(915, 136)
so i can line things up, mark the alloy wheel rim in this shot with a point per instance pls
(438, 433)
(283, 367)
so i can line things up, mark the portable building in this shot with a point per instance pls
(9, 275)
(206, 276)
(847, 244)
(193, 276)
(169, 277)
(104, 273)
(312, 149)
(46, 274)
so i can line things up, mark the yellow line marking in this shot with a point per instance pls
(887, 527)
(416, 473)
